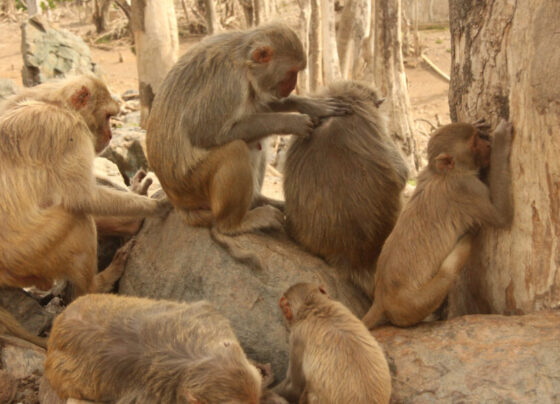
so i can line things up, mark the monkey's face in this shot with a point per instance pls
(480, 146)
(286, 86)
(102, 125)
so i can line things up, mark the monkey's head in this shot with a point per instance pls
(355, 93)
(297, 296)
(89, 96)
(458, 145)
(225, 376)
(274, 57)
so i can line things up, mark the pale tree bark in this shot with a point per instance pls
(315, 47)
(33, 7)
(390, 78)
(211, 18)
(331, 62)
(505, 64)
(9, 6)
(154, 25)
(304, 27)
(368, 46)
(261, 9)
(362, 28)
(345, 36)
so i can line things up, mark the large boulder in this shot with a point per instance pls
(476, 359)
(126, 150)
(50, 53)
(7, 88)
(171, 260)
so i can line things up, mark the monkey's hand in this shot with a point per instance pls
(139, 183)
(301, 125)
(163, 207)
(502, 137)
(318, 108)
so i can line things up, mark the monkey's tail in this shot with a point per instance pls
(375, 316)
(234, 248)
(14, 327)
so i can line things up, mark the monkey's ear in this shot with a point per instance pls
(286, 309)
(444, 163)
(80, 98)
(263, 54)
(379, 102)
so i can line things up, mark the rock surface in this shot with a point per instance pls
(26, 309)
(7, 88)
(476, 359)
(174, 261)
(20, 358)
(126, 150)
(50, 53)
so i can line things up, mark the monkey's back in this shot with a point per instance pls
(105, 346)
(343, 363)
(342, 188)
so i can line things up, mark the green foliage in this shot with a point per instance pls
(44, 4)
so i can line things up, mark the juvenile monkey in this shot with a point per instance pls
(333, 357)
(208, 121)
(49, 135)
(430, 243)
(343, 184)
(108, 348)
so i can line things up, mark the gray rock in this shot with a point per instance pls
(25, 309)
(476, 359)
(20, 358)
(126, 150)
(50, 53)
(130, 95)
(174, 261)
(7, 88)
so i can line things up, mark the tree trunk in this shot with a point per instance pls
(304, 31)
(390, 78)
(368, 45)
(315, 47)
(9, 6)
(331, 63)
(505, 64)
(33, 7)
(211, 18)
(100, 15)
(156, 40)
(345, 36)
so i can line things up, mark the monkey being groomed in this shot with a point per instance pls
(118, 349)
(343, 184)
(432, 238)
(333, 357)
(208, 119)
(49, 136)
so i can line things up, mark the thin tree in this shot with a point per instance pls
(331, 62)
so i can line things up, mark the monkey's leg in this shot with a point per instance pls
(411, 307)
(104, 281)
(231, 193)
(14, 327)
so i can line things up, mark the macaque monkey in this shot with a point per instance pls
(343, 184)
(432, 238)
(108, 348)
(333, 358)
(49, 135)
(209, 120)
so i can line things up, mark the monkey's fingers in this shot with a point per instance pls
(122, 254)
(138, 185)
(482, 125)
(339, 107)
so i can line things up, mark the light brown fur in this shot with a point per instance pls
(48, 139)
(209, 119)
(430, 242)
(333, 357)
(343, 185)
(111, 348)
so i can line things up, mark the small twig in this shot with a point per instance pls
(426, 121)
(435, 68)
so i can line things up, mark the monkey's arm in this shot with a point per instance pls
(104, 201)
(293, 385)
(314, 107)
(259, 125)
(500, 174)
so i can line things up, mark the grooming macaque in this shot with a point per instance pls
(209, 119)
(431, 240)
(343, 184)
(49, 135)
(333, 357)
(111, 348)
